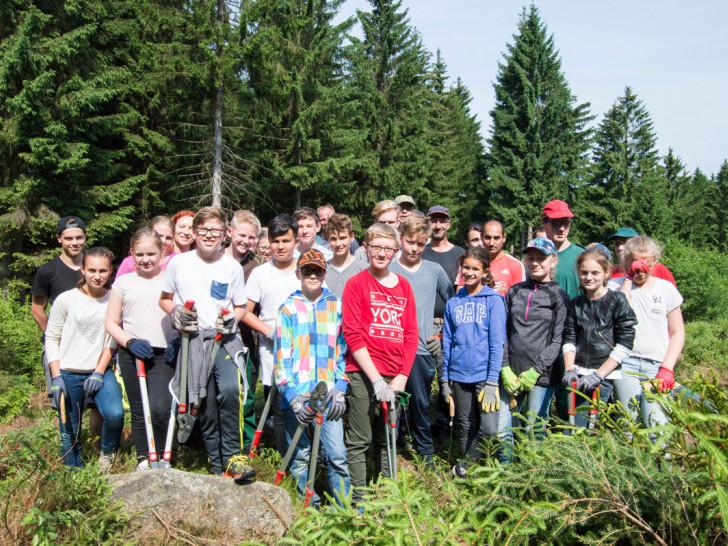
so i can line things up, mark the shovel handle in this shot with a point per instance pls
(572, 399)
(279, 476)
(62, 409)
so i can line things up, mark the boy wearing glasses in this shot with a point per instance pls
(309, 348)
(556, 222)
(380, 328)
(213, 281)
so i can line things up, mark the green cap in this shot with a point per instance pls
(625, 232)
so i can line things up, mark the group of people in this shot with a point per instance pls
(376, 322)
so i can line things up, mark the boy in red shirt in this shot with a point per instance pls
(380, 329)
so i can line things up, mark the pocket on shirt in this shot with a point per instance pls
(219, 290)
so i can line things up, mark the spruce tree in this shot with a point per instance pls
(539, 139)
(719, 207)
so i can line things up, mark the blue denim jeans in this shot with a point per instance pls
(108, 402)
(538, 407)
(419, 385)
(629, 392)
(333, 448)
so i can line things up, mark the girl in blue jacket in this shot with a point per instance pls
(473, 337)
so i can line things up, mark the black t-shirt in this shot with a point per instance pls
(54, 278)
(449, 262)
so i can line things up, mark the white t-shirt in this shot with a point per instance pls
(140, 311)
(270, 287)
(652, 307)
(75, 334)
(211, 286)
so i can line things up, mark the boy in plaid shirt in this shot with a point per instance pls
(309, 348)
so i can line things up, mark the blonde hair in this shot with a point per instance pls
(381, 230)
(245, 217)
(416, 225)
(599, 257)
(384, 206)
(642, 245)
(207, 213)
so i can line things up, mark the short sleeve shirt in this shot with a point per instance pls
(54, 278)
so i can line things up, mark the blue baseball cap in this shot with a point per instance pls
(600, 246)
(541, 244)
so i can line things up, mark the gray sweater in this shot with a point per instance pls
(428, 282)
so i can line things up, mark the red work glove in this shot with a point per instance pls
(638, 266)
(666, 379)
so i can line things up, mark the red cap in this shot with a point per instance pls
(557, 209)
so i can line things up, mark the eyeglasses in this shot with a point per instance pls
(202, 232)
(308, 271)
(558, 224)
(376, 249)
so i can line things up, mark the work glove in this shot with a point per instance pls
(170, 353)
(140, 348)
(511, 382)
(588, 383)
(434, 345)
(403, 398)
(226, 323)
(93, 384)
(271, 334)
(445, 391)
(382, 391)
(570, 376)
(665, 379)
(488, 396)
(638, 266)
(336, 403)
(528, 379)
(304, 414)
(185, 320)
(58, 389)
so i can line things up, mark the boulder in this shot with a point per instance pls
(183, 505)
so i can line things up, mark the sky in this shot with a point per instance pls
(672, 53)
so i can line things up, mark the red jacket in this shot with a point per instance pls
(384, 320)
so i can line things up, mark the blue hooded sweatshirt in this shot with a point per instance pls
(473, 336)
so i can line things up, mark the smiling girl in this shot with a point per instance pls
(79, 351)
(599, 331)
(472, 342)
(145, 334)
(163, 227)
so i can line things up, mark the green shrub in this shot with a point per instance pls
(701, 276)
(20, 345)
(14, 396)
(706, 350)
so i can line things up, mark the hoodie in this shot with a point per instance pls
(309, 345)
(473, 336)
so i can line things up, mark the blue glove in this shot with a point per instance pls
(93, 384)
(170, 353)
(140, 348)
(337, 405)
(58, 389)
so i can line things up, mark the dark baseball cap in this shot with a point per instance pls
(68, 222)
(312, 258)
(438, 209)
(626, 232)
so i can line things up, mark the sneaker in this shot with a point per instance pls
(239, 469)
(460, 470)
(143, 465)
(105, 462)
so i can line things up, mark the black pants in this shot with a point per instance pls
(222, 413)
(472, 425)
(159, 374)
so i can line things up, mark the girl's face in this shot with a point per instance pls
(640, 276)
(473, 273)
(592, 276)
(183, 235)
(147, 256)
(473, 238)
(539, 265)
(96, 271)
(166, 235)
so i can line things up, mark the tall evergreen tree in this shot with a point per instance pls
(539, 140)
(626, 187)
(720, 205)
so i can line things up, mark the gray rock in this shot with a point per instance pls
(197, 505)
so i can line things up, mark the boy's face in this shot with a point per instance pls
(72, 241)
(208, 235)
(307, 230)
(283, 246)
(339, 242)
(312, 279)
(381, 251)
(243, 237)
(413, 245)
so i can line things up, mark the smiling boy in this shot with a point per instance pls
(342, 266)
